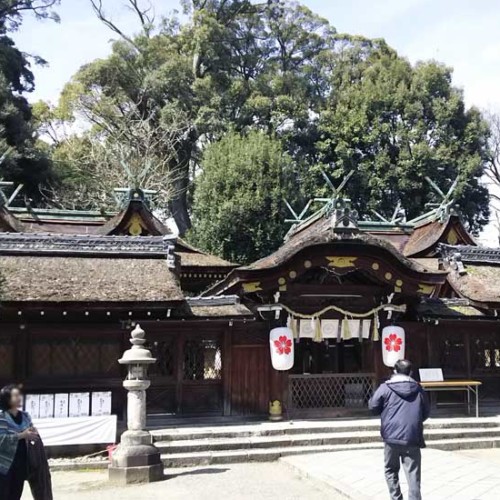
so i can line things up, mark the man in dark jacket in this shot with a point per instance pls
(403, 406)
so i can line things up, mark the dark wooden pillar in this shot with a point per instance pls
(22, 352)
(226, 369)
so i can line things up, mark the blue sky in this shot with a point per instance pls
(460, 33)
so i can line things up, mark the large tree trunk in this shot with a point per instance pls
(179, 207)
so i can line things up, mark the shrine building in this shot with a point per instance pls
(74, 283)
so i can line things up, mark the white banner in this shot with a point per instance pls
(77, 430)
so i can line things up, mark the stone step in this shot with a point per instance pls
(252, 455)
(305, 427)
(337, 438)
(270, 454)
(465, 444)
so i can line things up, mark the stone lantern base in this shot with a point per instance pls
(136, 460)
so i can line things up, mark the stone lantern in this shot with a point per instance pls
(136, 459)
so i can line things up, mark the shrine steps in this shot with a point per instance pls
(203, 445)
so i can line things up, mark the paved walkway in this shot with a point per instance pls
(263, 481)
(359, 475)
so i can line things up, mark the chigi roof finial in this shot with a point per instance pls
(328, 205)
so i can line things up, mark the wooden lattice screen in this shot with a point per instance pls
(74, 357)
(314, 392)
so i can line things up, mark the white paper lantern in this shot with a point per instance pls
(281, 345)
(393, 345)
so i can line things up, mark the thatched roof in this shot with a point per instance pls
(426, 237)
(222, 311)
(194, 259)
(320, 233)
(87, 279)
(8, 222)
(480, 283)
(432, 264)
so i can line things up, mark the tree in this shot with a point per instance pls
(238, 206)
(233, 65)
(132, 152)
(395, 124)
(333, 101)
(25, 162)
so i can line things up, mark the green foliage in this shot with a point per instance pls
(396, 124)
(26, 162)
(332, 102)
(238, 205)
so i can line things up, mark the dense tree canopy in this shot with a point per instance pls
(395, 124)
(238, 207)
(24, 161)
(332, 101)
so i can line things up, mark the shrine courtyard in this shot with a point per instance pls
(467, 475)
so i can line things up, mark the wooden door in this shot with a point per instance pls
(187, 377)
(250, 384)
(200, 375)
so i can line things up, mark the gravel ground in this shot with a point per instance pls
(239, 481)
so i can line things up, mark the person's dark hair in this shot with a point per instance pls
(6, 395)
(403, 366)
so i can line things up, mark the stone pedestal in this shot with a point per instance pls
(136, 459)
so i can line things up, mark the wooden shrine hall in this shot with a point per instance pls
(74, 283)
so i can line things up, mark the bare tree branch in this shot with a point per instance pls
(146, 19)
(145, 15)
(101, 15)
(131, 152)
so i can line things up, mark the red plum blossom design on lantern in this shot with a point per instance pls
(283, 345)
(393, 342)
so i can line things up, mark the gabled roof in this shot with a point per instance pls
(479, 284)
(69, 268)
(335, 245)
(454, 309)
(218, 307)
(136, 220)
(425, 238)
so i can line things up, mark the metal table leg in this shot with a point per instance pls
(477, 401)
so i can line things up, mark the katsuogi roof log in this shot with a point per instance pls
(87, 279)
